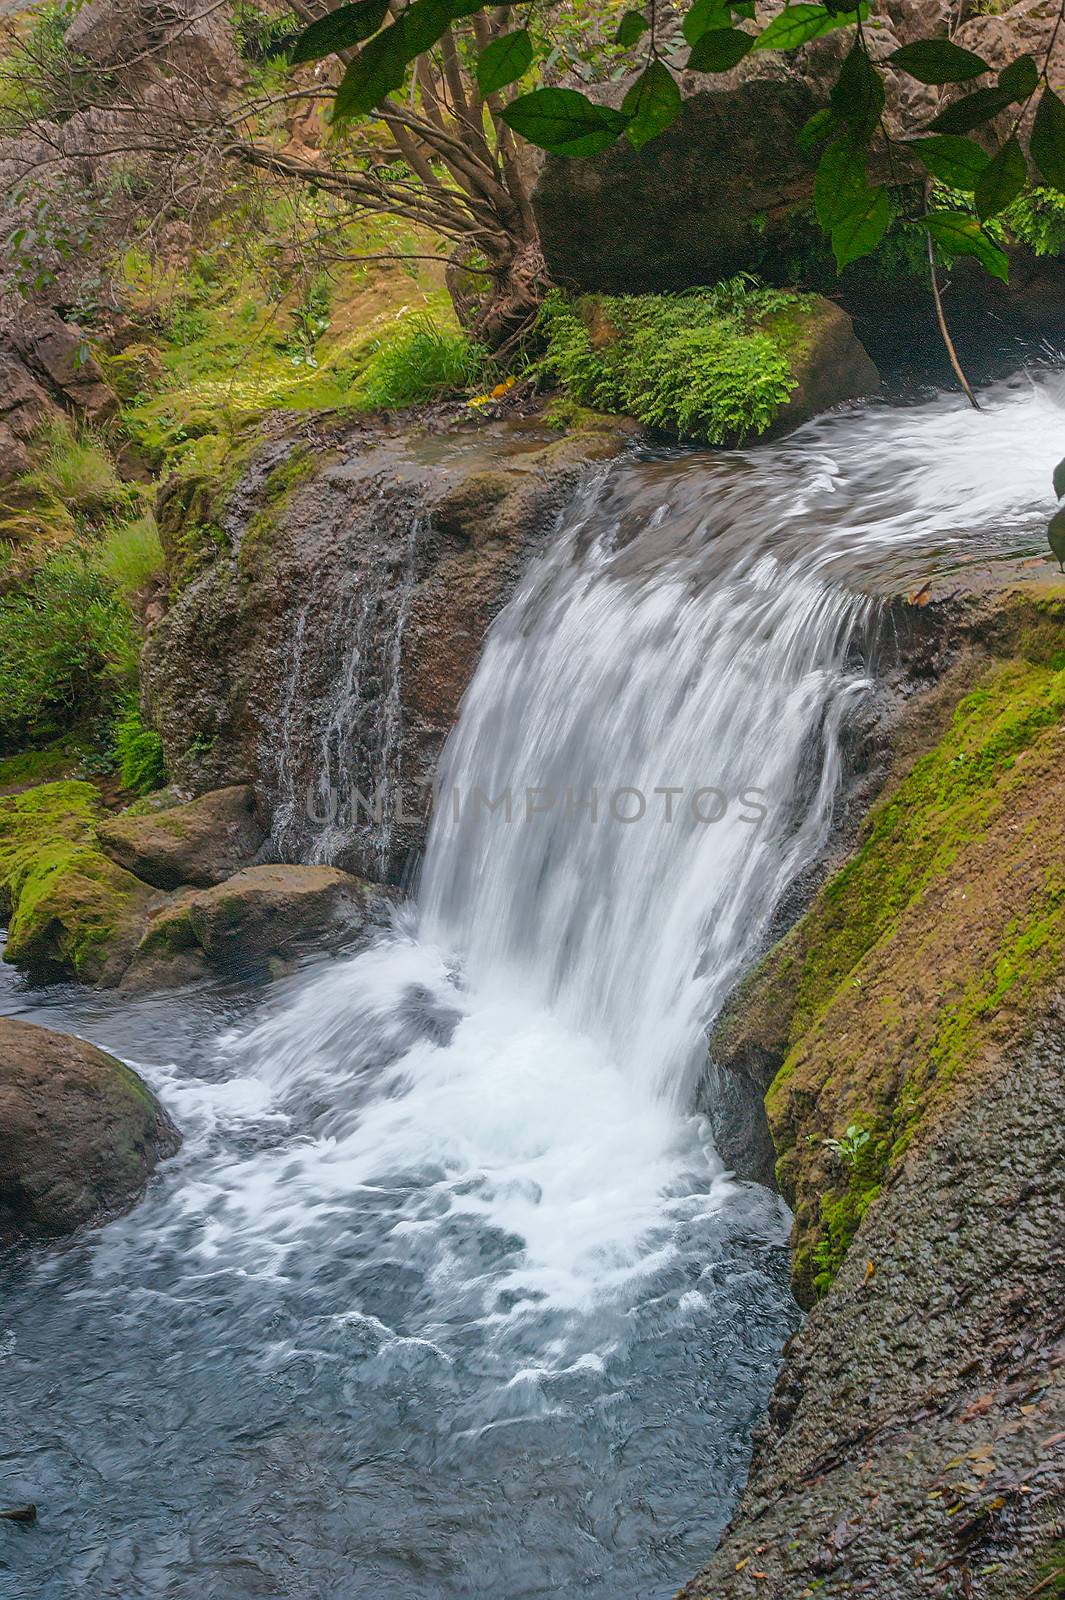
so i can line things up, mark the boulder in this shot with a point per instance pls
(59, 354)
(829, 363)
(81, 1133)
(24, 407)
(718, 191)
(200, 843)
(261, 918)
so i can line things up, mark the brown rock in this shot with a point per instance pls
(81, 1133)
(200, 843)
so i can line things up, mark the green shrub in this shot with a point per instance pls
(699, 364)
(67, 646)
(422, 362)
(138, 750)
(1037, 219)
(130, 554)
(75, 473)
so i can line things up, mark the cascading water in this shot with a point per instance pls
(448, 1294)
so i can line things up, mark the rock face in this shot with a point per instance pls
(200, 843)
(81, 1133)
(718, 189)
(322, 655)
(909, 1034)
(261, 917)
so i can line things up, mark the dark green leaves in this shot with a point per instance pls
(839, 182)
(1047, 144)
(958, 234)
(1020, 78)
(719, 49)
(377, 70)
(863, 227)
(1059, 480)
(966, 114)
(1056, 536)
(798, 24)
(1001, 180)
(339, 30)
(938, 61)
(951, 159)
(857, 96)
(564, 122)
(703, 15)
(504, 60)
(854, 215)
(651, 104)
(631, 26)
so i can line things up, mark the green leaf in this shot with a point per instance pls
(971, 111)
(1020, 79)
(938, 61)
(857, 96)
(378, 69)
(958, 234)
(798, 24)
(1047, 145)
(840, 181)
(822, 125)
(705, 14)
(951, 159)
(632, 24)
(423, 23)
(719, 49)
(1001, 180)
(862, 228)
(564, 122)
(651, 104)
(339, 30)
(504, 60)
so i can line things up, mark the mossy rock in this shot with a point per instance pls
(82, 1133)
(925, 955)
(73, 911)
(200, 842)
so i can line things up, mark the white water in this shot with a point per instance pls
(447, 1247)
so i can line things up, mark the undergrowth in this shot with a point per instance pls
(423, 361)
(700, 365)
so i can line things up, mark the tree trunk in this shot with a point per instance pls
(513, 296)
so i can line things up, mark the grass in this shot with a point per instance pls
(129, 555)
(75, 471)
(423, 361)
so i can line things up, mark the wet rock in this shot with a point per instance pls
(343, 544)
(81, 1133)
(254, 922)
(199, 843)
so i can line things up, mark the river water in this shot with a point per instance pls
(448, 1293)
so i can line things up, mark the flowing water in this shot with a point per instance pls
(448, 1293)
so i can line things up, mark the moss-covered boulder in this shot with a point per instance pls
(72, 910)
(200, 843)
(255, 923)
(717, 366)
(81, 1133)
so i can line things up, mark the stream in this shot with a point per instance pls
(448, 1294)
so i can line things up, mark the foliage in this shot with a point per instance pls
(701, 364)
(422, 362)
(75, 472)
(382, 44)
(1037, 219)
(67, 646)
(850, 1145)
(138, 751)
(129, 555)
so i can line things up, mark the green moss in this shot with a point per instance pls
(938, 938)
(280, 485)
(712, 365)
(68, 902)
(31, 767)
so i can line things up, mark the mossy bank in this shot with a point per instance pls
(908, 1036)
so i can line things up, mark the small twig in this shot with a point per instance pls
(20, 1514)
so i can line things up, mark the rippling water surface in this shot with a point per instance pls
(448, 1293)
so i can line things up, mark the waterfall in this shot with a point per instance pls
(449, 1292)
